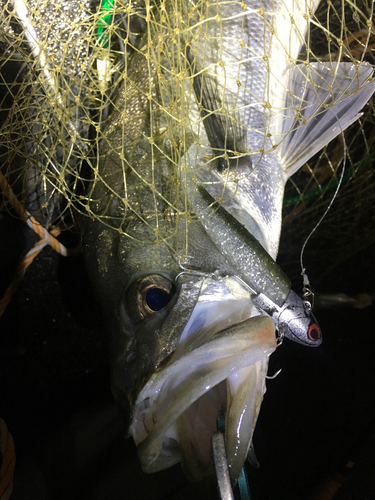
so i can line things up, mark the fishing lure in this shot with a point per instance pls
(269, 286)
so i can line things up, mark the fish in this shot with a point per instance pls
(37, 95)
(216, 111)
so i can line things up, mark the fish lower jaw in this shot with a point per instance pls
(190, 435)
(176, 412)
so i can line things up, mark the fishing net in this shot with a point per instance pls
(348, 227)
(64, 66)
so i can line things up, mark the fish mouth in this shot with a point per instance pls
(220, 364)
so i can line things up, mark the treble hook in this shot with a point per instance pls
(271, 377)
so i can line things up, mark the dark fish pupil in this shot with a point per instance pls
(157, 298)
(224, 164)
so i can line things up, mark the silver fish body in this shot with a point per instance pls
(185, 222)
(44, 49)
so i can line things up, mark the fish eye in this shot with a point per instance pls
(227, 163)
(222, 164)
(152, 294)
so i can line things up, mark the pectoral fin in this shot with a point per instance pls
(324, 100)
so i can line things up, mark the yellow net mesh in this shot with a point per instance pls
(348, 228)
(71, 77)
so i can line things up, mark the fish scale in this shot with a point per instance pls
(176, 156)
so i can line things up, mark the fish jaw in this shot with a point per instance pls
(220, 364)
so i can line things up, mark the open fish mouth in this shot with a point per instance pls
(220, 364)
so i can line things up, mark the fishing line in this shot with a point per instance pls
(307, 292)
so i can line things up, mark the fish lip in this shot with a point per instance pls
(159, 403)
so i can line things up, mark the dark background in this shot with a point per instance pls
(55, 397)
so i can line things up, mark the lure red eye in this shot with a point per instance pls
(314, 332)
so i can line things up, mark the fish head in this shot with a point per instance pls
(184, 347)
(136, 288)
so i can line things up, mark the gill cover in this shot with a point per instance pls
(293, 319)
